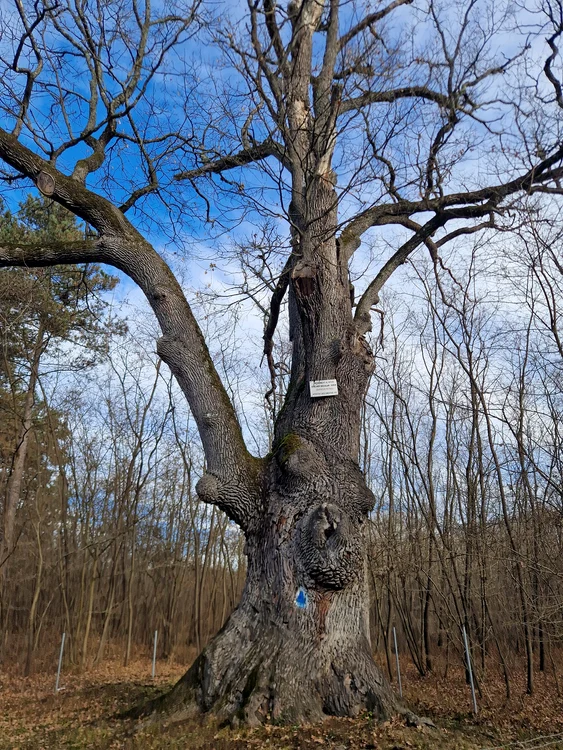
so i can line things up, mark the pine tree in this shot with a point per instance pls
(43, 311)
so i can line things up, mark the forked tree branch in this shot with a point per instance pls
(422, 235)
(472, 204)
(370, 297)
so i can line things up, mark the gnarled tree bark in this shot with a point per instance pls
(298, 646)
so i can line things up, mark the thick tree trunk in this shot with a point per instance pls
(298, 645)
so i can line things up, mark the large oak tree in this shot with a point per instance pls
(420, 121)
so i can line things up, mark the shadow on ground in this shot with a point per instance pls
(85, 715)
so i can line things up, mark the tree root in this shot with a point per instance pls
(270, 685)
(413, 720)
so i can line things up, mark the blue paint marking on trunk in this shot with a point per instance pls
(301, 600)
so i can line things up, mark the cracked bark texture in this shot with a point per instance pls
(275, 660)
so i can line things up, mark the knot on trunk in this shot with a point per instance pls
(359, 499)
(298, 457)
(239, 498)
(208, 488)
(331, 546)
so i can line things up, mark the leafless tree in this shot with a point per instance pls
(355, 125)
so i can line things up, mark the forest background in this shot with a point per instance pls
(461, 444)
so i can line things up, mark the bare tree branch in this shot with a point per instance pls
(224, 163)
(234, 472)
(274, 314)
(370, 297)
(476, 203)
(377, 97)
(370, 20)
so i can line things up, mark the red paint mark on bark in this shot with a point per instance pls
(323, 605)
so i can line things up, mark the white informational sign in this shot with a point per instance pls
(320, 388)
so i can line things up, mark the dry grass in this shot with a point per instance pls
(83, 715)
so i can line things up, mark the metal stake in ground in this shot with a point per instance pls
(470, 670)
(398, 665)
(154, 654)
(60, 663)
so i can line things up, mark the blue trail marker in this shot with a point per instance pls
(301, 600)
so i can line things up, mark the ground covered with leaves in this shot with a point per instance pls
(84, 715)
